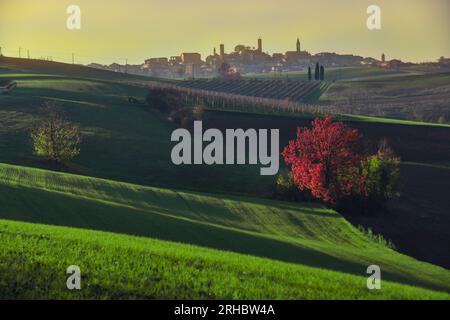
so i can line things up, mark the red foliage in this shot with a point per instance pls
(326, 160)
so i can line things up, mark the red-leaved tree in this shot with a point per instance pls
(326, 160)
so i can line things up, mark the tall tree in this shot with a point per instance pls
(326, 161)
(317, 72)
(55, 139)
(322, 73)
(309, 74)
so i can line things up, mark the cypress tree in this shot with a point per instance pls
(317, 72)
(322, 73)
(309, 74)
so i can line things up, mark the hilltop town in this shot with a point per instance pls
(246, 59)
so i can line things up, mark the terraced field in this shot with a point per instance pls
(419, 97)
(294, 90)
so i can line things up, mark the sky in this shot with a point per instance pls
(115, 30)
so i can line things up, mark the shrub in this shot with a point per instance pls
(286, 189)
(182, 117)
(198, 112)
(377, 238)
(165, 100)
(382, 176)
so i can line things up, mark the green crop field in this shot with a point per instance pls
(402, 86)
(312, 239)
(195, 231)
(294, 90)
(331, 74)
(418, 97)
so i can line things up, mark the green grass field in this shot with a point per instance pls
(310, 237)
(121, 141)
(230, 242)
(124, 267)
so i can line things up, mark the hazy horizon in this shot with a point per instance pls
(112, 31)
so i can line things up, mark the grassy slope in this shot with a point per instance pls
(124, 267)
(306, 235)
(422, 233)
(419, 221)
(41, 67)
(409, 96)
(120, 141)
(420, 86)
(118, 138)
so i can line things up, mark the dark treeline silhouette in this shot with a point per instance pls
(319, 73)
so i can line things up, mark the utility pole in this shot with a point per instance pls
(28, 54)
(73, 58)
(126, 65)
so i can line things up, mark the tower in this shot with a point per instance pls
(222, 50)
(298, 45)
(259, 45)
(215, 52)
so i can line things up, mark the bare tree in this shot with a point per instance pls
(55, 139)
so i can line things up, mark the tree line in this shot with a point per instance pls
(319, 73)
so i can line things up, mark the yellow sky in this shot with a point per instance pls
(112, 30)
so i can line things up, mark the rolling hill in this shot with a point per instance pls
(309, 238)
(121, 141)
(201, 224)
(124, 267)
(409, 96)
(17, 66)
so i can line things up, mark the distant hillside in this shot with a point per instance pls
(16, 65)
(418, 97)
